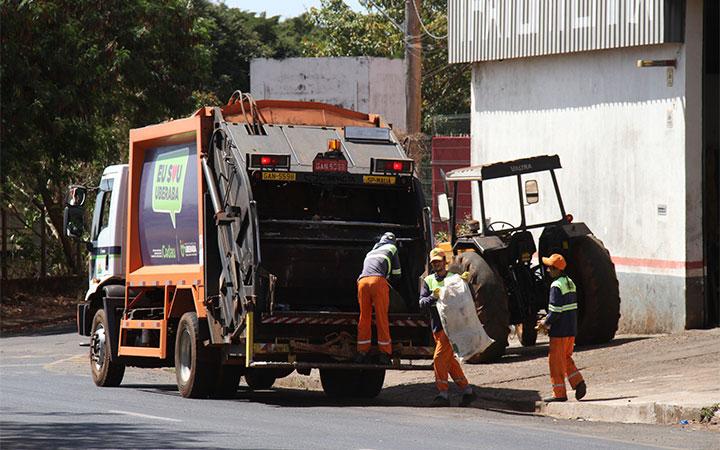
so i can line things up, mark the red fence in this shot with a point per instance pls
(450, 152)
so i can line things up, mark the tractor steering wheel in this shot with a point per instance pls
(502, 230)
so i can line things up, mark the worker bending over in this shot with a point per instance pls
(444, 360)
(381, 264)
(561, 325)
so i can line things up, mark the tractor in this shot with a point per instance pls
(507, 278)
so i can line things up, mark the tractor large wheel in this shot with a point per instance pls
(593, 272)
(491, 302)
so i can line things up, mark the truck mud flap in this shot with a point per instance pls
(111, 305)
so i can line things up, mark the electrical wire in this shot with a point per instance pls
(417, 13)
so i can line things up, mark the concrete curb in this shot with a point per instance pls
(649, 413)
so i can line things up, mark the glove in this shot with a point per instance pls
(465, 276)
(542, 327)
(436, 293)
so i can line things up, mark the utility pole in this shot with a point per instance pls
(413, 64)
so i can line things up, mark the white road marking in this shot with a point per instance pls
(145, 416)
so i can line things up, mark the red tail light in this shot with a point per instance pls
(569, 218)
(392, 166)
(268, 162)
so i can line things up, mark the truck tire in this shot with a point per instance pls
(491, 301)
(196, 367)
(527, 333)
(105, 371)
(340, 383)
(226, 384)
(593, 272)
(260, 379)
(370, 383)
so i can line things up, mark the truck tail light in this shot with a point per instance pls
(268, 162)
(392, 166)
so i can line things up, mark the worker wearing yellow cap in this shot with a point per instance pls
(444, 361)
(561, 325)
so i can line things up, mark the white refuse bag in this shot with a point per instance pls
(459, 319)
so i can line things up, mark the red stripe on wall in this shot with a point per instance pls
(657, 263)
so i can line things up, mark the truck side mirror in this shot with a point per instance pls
(443, 207)
(74, 221)
(532, 194)
(76, 196)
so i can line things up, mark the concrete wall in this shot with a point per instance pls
(374, 85)
(629, 142)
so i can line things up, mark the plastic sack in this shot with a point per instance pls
(460, 320)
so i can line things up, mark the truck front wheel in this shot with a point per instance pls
(106, 372)
(196, 368)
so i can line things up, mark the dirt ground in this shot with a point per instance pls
(34, 303)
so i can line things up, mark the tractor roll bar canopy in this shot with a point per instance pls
(505, 169)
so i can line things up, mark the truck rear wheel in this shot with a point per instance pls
(106, 372)
(370, 383)
(491, 302)
(196, 368)
(598, 294)
(226, 384)
(260, 379)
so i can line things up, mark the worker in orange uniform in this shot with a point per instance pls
(561, 325)
(381, 264)
(444, 360)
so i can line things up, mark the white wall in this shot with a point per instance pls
(621, 133)
(369, 85)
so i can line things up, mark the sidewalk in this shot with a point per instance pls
(634, 379)
(657, 379)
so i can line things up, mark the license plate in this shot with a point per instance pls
(377, 179)
(330, 165)
(279, 176)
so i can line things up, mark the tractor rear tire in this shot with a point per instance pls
(491, 301)
(593, 272)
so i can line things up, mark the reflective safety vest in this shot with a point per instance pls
(433, 283)
(382, 262)
(562, 308)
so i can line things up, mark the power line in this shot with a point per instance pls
(417, 13)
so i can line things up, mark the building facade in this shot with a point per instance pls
(626, 93)
(365, 84)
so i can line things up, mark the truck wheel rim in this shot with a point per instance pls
(185, 356)
(97, 347)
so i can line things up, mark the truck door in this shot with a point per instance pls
(108, 227)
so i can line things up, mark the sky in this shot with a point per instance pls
(284, 8)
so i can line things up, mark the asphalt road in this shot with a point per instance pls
(47, 400)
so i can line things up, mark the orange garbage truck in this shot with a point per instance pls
(230, 245)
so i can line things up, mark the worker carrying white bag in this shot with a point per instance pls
(459, 318)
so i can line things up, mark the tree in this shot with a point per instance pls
(76, 74)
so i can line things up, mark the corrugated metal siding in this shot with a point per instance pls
(484, 30)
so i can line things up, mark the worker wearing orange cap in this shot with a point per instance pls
(561, 325)
(444, 361)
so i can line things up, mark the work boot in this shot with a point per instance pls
(580, 390)
(555, 399)
(360, 358)
(467, 398)
(384, 359)
(440, 401)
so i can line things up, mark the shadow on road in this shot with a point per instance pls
(90, 434)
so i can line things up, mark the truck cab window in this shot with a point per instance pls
(101, 216)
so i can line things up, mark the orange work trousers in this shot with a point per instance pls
(562, 365)
(444, 362)
(374, 292)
